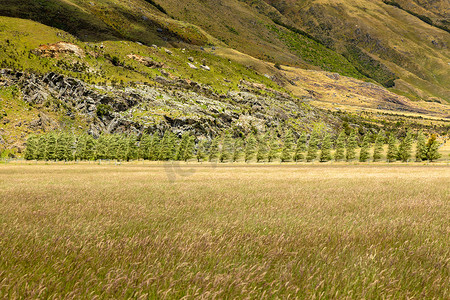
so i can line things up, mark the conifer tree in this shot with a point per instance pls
(313, 147)
(60, 147)
(273, 148)
(237, 149)
(201, 151)
(352, 144)
(421, 150)
(227, 147)
(101, 151)
(263, 148)
(340, 146)
(181, 150)
(113, 147)
(365, 148)
(90, 148)
(379, 144)
(392, 152)
(325, 152)
(168, 146)
(132, 150)
(288, 144)
(42, 147)
(144, 146)
(432, 148)
(32, 147)
(250, 148)
(122, 148)
(190, 149)
(52, 143)
(80, 149)
(301, 147)
(404, 150)
(70, 149)
(155, 148)
(213, 154)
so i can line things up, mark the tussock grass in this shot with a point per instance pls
(234, 231)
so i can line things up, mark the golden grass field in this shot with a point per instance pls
(147, 230)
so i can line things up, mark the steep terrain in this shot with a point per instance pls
(209, 66)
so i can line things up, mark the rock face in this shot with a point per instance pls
(179, 105)
(146, 61)
(54, 50)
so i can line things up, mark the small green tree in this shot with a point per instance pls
(113, 147)
(61, 147)
(288, 145)
(227, 147)
(31, 147)
(263, 148)
(325, 152)
(213, 154)
(432, 148)
(190, 149)
(379, 144)
(80, 149)
(132, 150)
(392, 152)
(313, 147)
(273, 149)
(167, 147)
(182, 146)
(405, 148)
(144, 146)
(301, 147)
(102, 147)
(90, 148)
(352, 144)
(340, 146)
(122, 148)
(421, 149)
(41, 148)
(201, 151)
(155, 148)
(237, 149)
(250, 147)
(52, 144)
(365, 147)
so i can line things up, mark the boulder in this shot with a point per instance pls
(54, 50)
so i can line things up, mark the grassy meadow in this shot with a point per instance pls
(155, 230)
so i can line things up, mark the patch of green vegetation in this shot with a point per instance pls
(316, 54)
(370, 67)
(232, 30)
(158, 6)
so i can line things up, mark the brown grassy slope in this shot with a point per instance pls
(417, 52)
(79, 231)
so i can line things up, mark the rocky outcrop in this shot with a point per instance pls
(146, 61)
(180, 105)
(55, 50)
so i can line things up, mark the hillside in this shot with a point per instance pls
(145, 66)
(393, 46)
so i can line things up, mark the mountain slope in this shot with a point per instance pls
(144, 66)
(354, 38)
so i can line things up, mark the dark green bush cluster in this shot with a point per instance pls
(226, 148)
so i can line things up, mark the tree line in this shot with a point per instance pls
(267, 147)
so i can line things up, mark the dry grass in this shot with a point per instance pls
(232, 231)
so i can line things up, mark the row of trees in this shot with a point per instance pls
(226, 148)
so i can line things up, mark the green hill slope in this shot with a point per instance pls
(391, 45)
